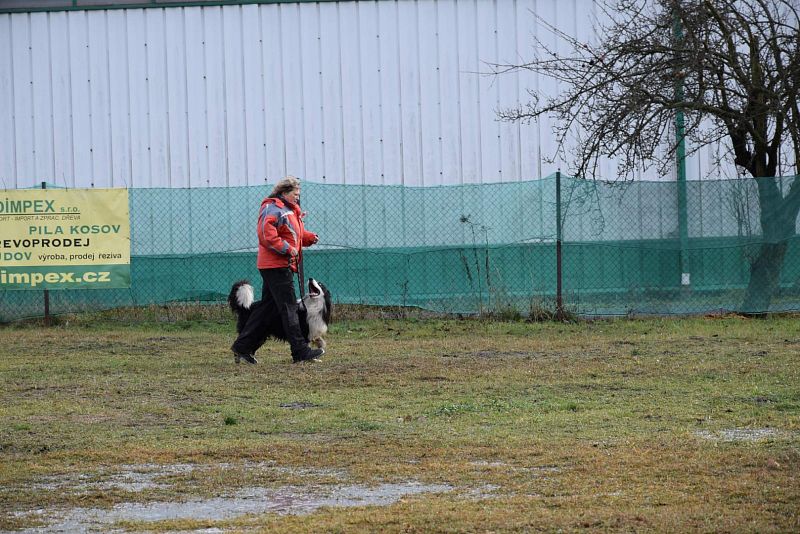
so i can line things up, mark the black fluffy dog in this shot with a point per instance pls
(313, 311)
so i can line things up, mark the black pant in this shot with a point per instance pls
(277, 299)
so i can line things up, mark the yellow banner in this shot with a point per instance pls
(64, 233)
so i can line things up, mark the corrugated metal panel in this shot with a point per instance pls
(385, 92)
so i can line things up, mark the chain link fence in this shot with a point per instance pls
(626, 249)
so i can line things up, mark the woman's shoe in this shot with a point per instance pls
(309, 355)
(249, 358)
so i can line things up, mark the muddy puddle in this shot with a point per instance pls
(132, 478)
(290, 499)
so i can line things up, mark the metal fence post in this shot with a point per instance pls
(46, 292)
(559, 300)
(680, 160)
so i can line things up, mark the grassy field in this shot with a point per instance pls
(125, 419)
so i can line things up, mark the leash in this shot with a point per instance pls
(301, 278)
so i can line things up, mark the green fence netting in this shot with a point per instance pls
(482, 248)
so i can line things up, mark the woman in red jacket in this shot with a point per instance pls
(281, 238)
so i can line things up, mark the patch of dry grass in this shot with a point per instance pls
(607, 425)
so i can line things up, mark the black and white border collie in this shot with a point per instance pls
(314, 312)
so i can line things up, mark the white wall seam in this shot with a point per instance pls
(301, 71)
(459, 127)
(479, 146)
(438, 94)
(246, 133)
(282, 83)
(90, 96)
(538, 123)
(186, 81)
(225, 179)
(361, 141)
(419, 136)
(52, 173)
(32, 91)
(341, 140)
(69, 99)
(379, 77)
(264, 106)
(520, 175)
(51, 137)
(110, 101)
(323, 172)
(147, 133)
(359, 86)
(8, 170)
(401, 167)
(206, 72)
(129, 178)
(169, 168)
(496, 84)
(134, 96)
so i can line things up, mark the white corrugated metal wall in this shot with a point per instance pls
(371, 92)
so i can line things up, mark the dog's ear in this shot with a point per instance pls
(328, 311)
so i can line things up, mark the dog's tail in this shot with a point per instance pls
(240, 299)
(241, 296)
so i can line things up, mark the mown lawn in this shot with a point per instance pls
(670, 425)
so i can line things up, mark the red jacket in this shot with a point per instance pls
(280, 229)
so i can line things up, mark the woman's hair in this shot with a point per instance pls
(284, 186)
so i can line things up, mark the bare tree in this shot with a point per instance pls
(731, 67)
